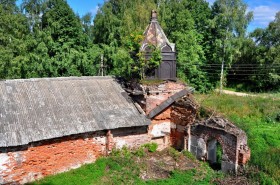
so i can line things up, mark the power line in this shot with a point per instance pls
(239, 65)
(230, 69)
(243, 67)
(247, 74)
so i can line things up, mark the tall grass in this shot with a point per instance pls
(259, 117)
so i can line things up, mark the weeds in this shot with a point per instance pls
(259, 118)
(152, 147)
(189, 155)
(124, 167)
(175, 154)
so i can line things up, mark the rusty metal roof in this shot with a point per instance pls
(38, 109)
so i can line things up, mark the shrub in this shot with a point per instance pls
(152, 147)
(140, 152)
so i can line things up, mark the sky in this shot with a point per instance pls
(264, 10)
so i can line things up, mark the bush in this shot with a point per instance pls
(152, 147)
(140, 152)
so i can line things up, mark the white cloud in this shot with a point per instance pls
(264, 14)
(94, 10)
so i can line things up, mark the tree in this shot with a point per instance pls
(181, 28)
(87, 25)
(115, 21)
(266, 58)
(33, 10)
(67, 43)
(13, 31)
(230, 21)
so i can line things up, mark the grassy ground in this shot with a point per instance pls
(260, 118)
(138, 167)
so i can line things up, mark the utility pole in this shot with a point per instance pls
(222, 71)
(102, 67)
(223, 64)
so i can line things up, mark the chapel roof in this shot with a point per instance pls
(154, 34)
(39, 109)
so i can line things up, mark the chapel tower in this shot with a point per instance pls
(154, 36)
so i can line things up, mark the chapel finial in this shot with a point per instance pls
(154, 15)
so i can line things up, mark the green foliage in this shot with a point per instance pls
(148, 66)
(152, 147)
(250, 114)
(219, 153)
(140, 152)
(47, 39)
(174, 153)
(189, 155)
(123, 152)
(260, 60)
(229, 24)
(151, 82)
(13, 49)
(181, 21)
(121, 168)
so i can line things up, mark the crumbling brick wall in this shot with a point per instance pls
(232, 139)
(179, 124)
(19, 165)
(183, 115)
(154, 95)
(227, 141)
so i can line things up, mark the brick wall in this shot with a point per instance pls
(28, 163)
(160, 128)
(156, 94)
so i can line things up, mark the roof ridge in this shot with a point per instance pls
(58, 78)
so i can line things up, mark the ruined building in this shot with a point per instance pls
(51, 125)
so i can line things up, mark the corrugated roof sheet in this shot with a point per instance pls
(39, 109)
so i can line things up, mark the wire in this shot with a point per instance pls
(257, 70)
(248, 74)
(239, 65)
(243, 67)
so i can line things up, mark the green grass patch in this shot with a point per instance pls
(151, 81)
(125, 167)
(259, 118)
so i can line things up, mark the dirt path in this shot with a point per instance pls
(234, 93)
(273, 97)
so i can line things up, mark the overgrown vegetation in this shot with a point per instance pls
(44, 38)
(258, 117)
(128, 167)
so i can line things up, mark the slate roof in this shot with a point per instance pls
(39, 109)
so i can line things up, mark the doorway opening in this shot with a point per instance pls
(214, 154)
